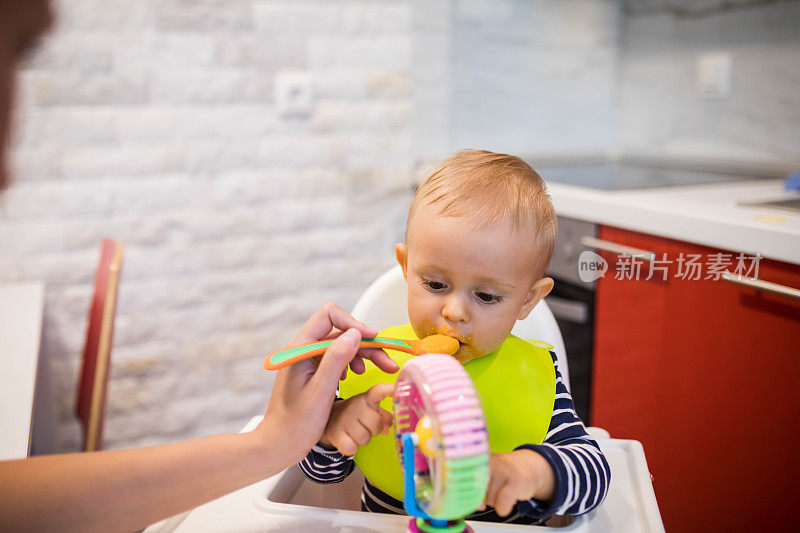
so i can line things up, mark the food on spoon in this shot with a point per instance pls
(437, 343)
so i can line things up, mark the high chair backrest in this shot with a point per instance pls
(91, 404)
(385, 304)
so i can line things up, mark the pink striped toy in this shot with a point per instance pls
(442, 443)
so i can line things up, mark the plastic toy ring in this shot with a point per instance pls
(442, 439)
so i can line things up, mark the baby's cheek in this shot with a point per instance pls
(422, 326)
(419, 310)
(487, 343)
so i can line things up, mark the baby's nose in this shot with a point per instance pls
(454, 310)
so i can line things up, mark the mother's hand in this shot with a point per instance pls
(301, 399)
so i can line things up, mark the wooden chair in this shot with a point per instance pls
(91, 401)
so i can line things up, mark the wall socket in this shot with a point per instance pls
(293, 92)
(713, 75)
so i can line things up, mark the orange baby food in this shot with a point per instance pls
(435, 344)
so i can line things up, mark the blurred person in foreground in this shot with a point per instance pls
(126, 490)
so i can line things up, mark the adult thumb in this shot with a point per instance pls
(335, 360)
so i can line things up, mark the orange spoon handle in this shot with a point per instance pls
(286, 357)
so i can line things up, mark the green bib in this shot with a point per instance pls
(517, 386)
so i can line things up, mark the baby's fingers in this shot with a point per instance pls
(505, 500)
(359, 433)
(378, 392)
(496, 482)
(344, 443)
(377, 421)
(387, 420)
(372, 421)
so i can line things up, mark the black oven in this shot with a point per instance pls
(572, 304)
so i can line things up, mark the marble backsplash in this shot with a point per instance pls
(566, 80)
(661, 112)
(519, 77)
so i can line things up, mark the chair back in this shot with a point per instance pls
(91, 402)
(385, 303)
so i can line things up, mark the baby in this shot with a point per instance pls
(479, 238)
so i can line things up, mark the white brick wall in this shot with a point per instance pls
(154, 122)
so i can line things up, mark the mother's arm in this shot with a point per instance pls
(129, 489)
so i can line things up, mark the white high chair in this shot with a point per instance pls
(385, 303)
(290, 502)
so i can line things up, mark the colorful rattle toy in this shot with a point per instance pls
(439, 426)
(431, 344)
(442, 443)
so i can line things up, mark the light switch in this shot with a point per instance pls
(293, 92)
(713, 75)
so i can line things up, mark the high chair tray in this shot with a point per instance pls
(290, 502)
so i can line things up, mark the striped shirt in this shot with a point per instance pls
(581, 471)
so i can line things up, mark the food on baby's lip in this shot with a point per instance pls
(437, 343)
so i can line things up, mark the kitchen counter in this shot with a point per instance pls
(21, 308)
(708, 214)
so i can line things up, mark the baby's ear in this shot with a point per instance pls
(539, 290)
(401, 252)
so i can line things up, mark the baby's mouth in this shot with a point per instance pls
(464, 347)
(461, 344)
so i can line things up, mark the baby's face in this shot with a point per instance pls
(468, 281)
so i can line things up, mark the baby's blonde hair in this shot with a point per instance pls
(493, 187)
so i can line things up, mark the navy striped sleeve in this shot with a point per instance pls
(581, 471)
(326, 466)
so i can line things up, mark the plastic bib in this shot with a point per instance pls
(516, 383)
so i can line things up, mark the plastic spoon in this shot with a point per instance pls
(431, 344)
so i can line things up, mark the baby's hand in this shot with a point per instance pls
(517, 476)
(354, 421)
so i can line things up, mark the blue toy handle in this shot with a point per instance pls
(409, 487)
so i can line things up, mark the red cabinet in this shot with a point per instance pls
(706, 374)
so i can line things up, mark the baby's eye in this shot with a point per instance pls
(434, 285)
(487, 298)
